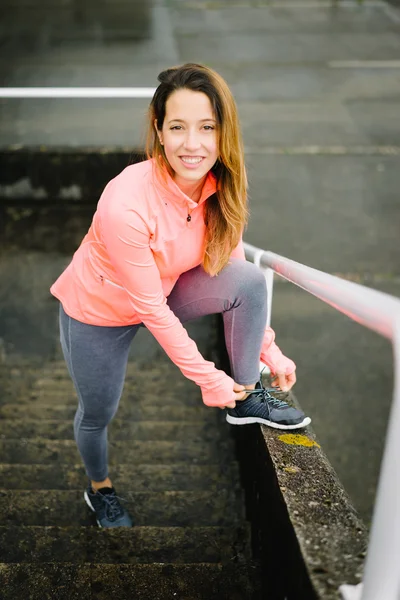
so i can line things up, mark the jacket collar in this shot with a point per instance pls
(170, 190)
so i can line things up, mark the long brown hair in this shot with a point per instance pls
(226, 212)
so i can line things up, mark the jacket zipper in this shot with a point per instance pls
(189, 217)
(103, 279)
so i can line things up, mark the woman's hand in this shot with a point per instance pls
(285, 382)
(239, 395)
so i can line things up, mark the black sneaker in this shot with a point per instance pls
(262, 407)
(107, 508)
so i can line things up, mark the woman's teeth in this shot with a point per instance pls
(191, 161)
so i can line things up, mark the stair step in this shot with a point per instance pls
(143, 395)
(66, 581)
(163, 509)
(136, 411)
(38, 451)
(119, 429)
(56, 375)
(123, 545)
(157, 370)
(151, 478)
(141, 384)
(142, 392)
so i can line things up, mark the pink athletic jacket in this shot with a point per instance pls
(138, 245)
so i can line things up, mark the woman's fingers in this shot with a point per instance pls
(238, 387)
(280, 381)
(240, 392)
(285, 382)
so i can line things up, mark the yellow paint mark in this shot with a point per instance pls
(292, 469)
(297, 440)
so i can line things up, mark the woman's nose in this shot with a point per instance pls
(192, 141)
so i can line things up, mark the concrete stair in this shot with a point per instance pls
(56, 581)
(172, 460)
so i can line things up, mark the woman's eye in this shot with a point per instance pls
(206, 127)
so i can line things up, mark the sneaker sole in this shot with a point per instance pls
(250, 420)
(86, 497)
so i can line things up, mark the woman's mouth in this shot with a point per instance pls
(191, 162)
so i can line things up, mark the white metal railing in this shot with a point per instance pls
(76, 92)
(381, 313)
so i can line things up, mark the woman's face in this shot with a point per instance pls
(189, 135)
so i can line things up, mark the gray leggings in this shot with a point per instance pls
(97, 356)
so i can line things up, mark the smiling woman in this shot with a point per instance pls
(163, 230)
(197, 131)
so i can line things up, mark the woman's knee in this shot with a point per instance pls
(248, 277)
(94, 420)
(95, 416)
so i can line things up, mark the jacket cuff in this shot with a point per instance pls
(220, 394)
(272, 356)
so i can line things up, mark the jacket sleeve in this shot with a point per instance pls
(270, 355)
(126, 235)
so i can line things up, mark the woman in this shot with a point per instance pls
(164, 247)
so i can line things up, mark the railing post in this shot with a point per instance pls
(269, 278)
(381, 579)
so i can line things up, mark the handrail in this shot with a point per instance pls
(381, 313)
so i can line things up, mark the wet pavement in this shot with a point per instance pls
(322, 136)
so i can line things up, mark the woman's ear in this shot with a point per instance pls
(158, 132)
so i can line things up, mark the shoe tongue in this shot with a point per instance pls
(258, 385)
(106, 490)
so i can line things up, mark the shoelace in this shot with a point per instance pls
(265, 396)
(114, 509)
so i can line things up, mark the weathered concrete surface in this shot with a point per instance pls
(50, 177)
(133, 412)
(332, 538)
(163, 509)
(136, 545)
(184, 495)
(16, 451)
(335, 213)
(175, 477)
(120, 429)
(127, 582)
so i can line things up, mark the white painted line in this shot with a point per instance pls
(325, 4)
(364, 64)
(392, 12)
(313, 4)
(76, 92)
